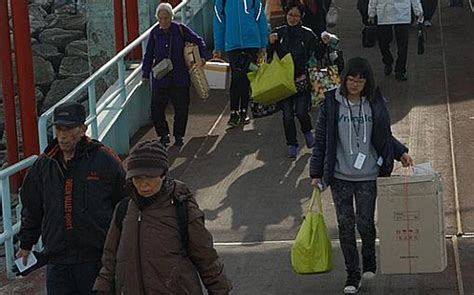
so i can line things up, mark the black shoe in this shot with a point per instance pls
(352, 285)
(234, 119)
(178, 141)
(165, 140)
(244, 118)
(388, 69)
(401, 76)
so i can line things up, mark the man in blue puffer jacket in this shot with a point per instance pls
(241, 30)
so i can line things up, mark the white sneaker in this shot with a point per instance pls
(352, 289)
(427, 23)
(368, 275)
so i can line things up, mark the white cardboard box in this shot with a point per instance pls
(411, 224)
(218, 74)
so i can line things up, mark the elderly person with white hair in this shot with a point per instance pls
(167, 41)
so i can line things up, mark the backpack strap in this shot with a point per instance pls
(121, 212)
(181, 207)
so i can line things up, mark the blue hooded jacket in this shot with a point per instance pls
(240, 24)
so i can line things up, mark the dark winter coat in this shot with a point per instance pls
(158, 48)
(323, 158)
(145, 257)
(71, 207)
(301, 42)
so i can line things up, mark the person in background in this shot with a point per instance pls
(150, 247)
(363, 8)
(68, 198)
(302, 44)
(240, 30)
(175, 85)
(354, 145)
(429, 9)
(394, 16)
(314, 15)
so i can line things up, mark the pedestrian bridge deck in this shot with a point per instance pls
(254, 197)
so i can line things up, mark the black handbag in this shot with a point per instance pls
(260, 110)
(421, 39)
(302, 84)
(369, 36)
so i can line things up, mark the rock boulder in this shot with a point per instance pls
(59, 89)
(74, 66)
(59, 37)
(43, 71)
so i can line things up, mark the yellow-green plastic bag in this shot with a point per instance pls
(273, 81)
(312, 251)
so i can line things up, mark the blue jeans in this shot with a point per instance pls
(77, 279)
(364, 192)
(298, 105)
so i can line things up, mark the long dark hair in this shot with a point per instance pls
(359, 66)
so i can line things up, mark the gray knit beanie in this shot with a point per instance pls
(147, 158)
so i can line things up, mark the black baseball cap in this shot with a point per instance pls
(69, 114)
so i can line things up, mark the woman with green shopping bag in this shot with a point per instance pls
(302, 44)
(354, 145)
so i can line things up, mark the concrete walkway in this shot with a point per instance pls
(254, 197)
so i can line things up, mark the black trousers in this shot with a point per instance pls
(385, 37)
(239, 60)
(180, 100)
(429, 8)
(72, 279)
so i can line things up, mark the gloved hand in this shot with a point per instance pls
(42, 261)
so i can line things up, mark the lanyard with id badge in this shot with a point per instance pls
(359, 162)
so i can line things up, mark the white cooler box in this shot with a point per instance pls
(411, 224)
(217, 74)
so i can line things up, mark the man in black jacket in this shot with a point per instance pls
(68, 197)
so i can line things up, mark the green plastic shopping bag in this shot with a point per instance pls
(273, 81)
(312, 251)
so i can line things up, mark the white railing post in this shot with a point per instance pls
(93, 110)
(43, 133)
(183, 14)
(121, 80)
(9, 230)
(7, 226)
(144, 44)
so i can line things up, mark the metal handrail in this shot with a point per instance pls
(9, 229)
(89, 83)
(472, 5)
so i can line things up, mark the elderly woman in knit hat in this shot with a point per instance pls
(167, 41)
(157, 242)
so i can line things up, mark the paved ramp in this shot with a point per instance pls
(254, 197)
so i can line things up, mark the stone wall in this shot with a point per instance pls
(60, 52)
(60, 58)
